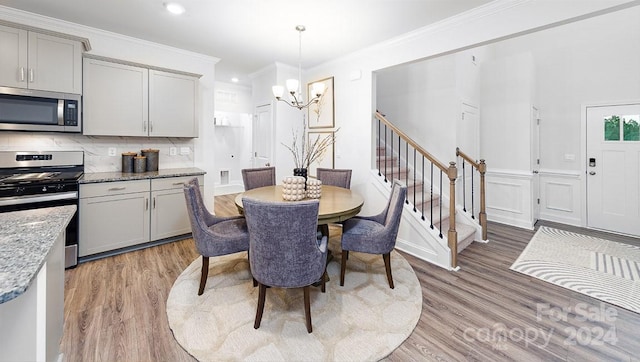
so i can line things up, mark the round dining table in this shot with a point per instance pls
(336, 203)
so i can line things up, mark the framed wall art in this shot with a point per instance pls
(326, 159)
(321, 113)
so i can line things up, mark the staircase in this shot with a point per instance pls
(438, 227)
(421, 199)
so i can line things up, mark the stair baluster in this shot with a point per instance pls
(480, 168)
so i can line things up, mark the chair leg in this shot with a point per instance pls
(203, 274)
(343, 265)
(387, 265)
(324, 230)
(324, 280)
(307, 308)
(255, 282)
(262, 291)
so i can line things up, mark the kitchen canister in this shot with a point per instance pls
(139, 164)
(152, 158)
(127, 161)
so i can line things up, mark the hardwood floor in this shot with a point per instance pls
(115, 308)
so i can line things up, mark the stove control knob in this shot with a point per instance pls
(19, 190)
(44, 188)
(59, 187)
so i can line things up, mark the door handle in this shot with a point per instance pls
(592, 173)
(267, 164)
(535, 171)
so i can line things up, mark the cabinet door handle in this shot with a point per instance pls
(144, 126)
(178, 183)
(31, 75)
(117, 188)
(146, 204)
(150, 126)
(22, 74)
(154, 202)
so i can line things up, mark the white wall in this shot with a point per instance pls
(507, 88)
(134, 50)
(354, 96)
(233, 134)
(286, 119)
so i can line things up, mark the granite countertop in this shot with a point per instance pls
(94, 177)
(26, 237)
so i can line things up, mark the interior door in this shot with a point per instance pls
(262, 136)
(613, 168)
(468, 140)
(535, 161)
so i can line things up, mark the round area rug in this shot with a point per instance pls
(364, 320)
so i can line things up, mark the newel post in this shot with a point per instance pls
(452, 235)
(482, 168)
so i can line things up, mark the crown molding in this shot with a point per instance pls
(68, 29)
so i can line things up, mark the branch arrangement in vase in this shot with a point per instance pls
(312, 151)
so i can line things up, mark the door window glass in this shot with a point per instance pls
(612, 128)
(631, 127)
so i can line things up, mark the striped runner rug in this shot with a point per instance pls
(600, 268)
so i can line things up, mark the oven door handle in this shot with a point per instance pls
(22, 200)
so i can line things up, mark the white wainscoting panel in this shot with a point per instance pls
(509, 197)
(560, 199)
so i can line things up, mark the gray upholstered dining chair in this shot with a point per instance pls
(258, 177)
(283, 249)
(334, 177)
(213, 236)
(375, 234)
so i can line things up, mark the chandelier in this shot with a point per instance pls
(294, 85)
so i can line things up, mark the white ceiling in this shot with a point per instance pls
(248, 35)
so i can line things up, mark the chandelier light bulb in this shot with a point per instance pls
(278, 91)
(318, 89)
(292, 85)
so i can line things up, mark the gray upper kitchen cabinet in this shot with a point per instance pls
(116, 98)
(127, 99)
(173, 105)
(34, 60)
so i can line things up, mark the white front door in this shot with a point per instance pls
(262, 136)
(613, 168)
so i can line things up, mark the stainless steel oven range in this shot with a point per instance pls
(30, 180)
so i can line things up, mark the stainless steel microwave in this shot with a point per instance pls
(34, 110)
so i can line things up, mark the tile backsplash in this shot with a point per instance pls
(96, 148)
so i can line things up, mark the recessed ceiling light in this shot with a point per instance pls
(235, 80)
(174, 8)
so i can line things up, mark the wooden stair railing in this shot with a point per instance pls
(481, 168)
(388, 134)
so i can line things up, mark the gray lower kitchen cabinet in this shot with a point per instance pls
(113, 215)
(169, 215)
(121, 214)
